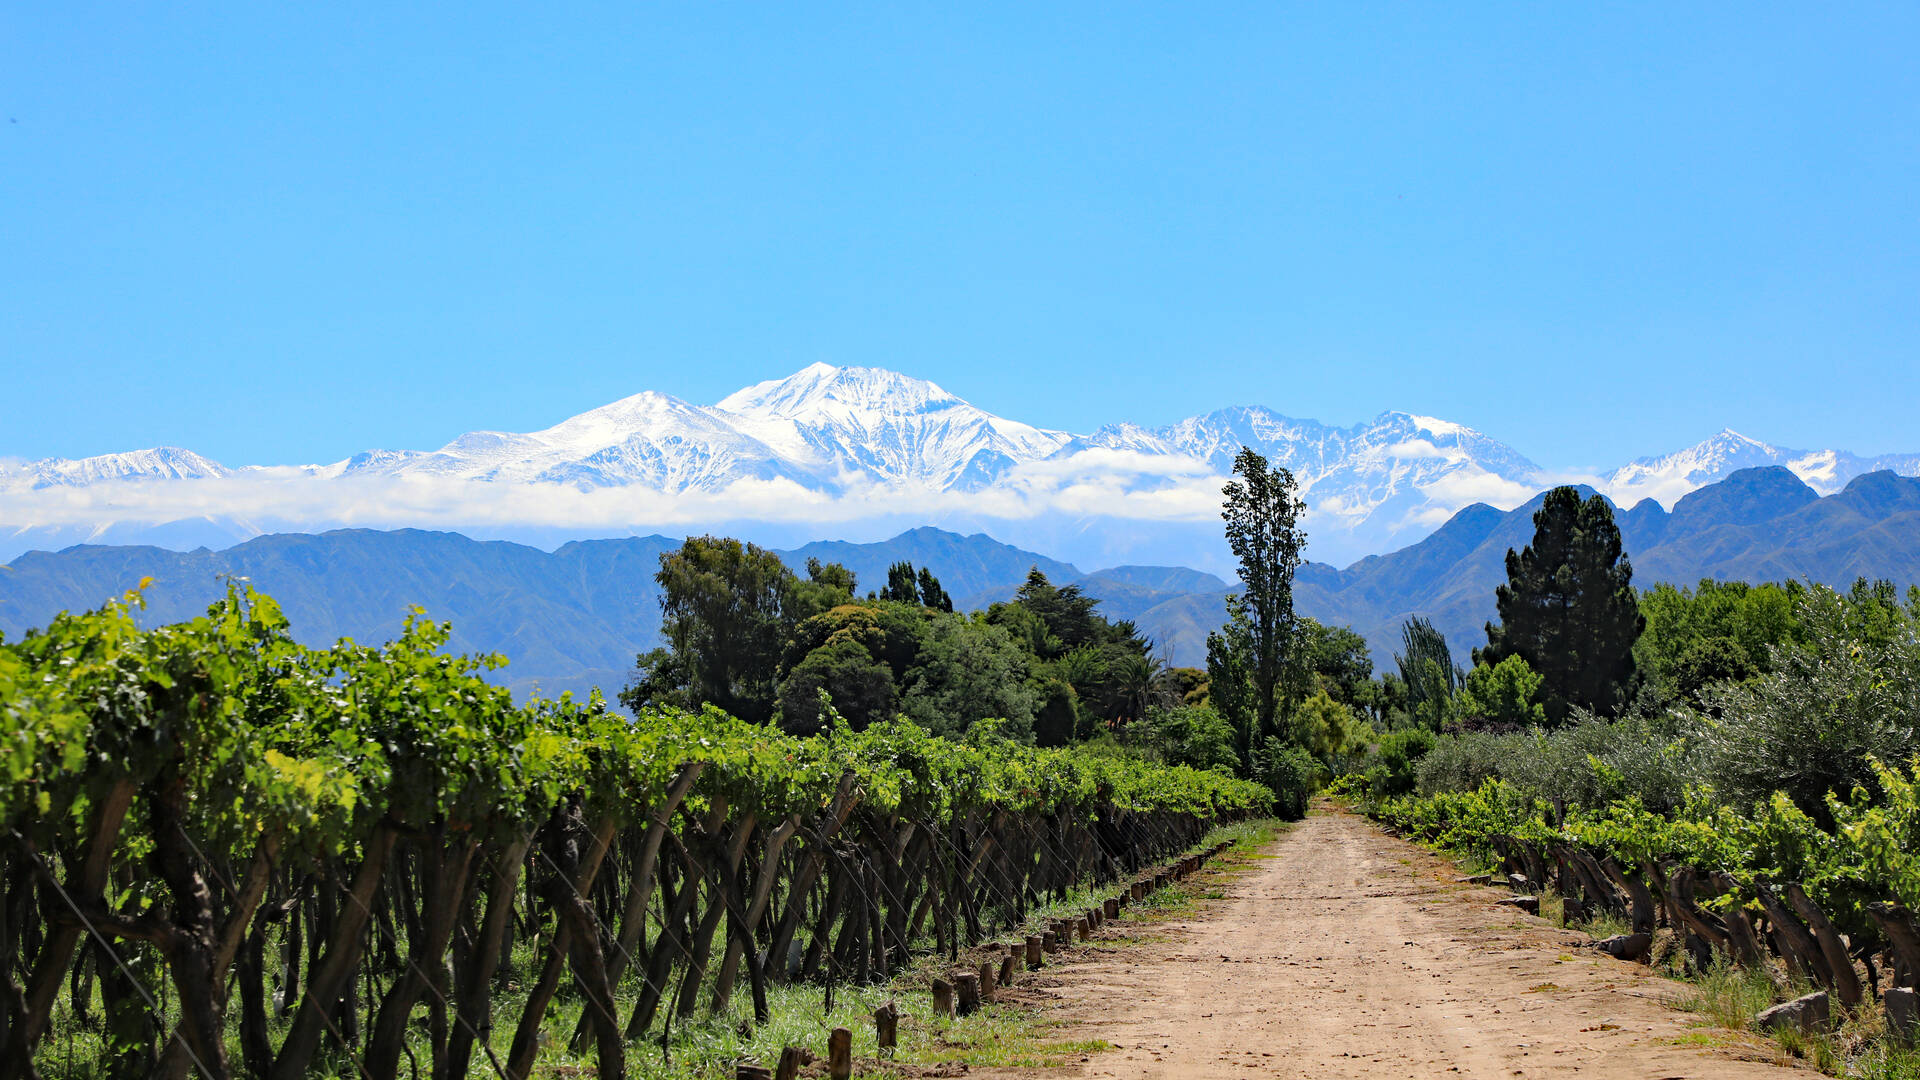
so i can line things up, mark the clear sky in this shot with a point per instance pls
(284, 233)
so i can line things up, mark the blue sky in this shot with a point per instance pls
(1592, 232)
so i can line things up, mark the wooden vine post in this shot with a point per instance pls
(966, 987)
(886, 1028)
(840, 1054)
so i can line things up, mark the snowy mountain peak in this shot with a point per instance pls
(822, 391)
(157, 463)
(1669, 476)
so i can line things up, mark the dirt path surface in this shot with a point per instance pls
(1348, 953)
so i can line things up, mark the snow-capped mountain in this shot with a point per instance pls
(1670, 476)
(850, 445)
(159, 463)
(885, 427)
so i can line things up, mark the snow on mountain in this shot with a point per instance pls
(851, 444)
(1667, 477)
(158, 463)
(886, 427)
(1395, 472)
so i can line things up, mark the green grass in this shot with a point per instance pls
(1887, 1062)
(1729, 995)
(1815, 1048)
(1603, 924)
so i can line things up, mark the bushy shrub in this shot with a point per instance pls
(1506, 693)
(1395, 760)
(1810, 726)
(1588, 764)
(1291, 773)
(1192, 735)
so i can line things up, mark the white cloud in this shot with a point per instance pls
(1107, 484)
(1462, 487)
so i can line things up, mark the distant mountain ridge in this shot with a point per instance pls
(577, 616)
(828, 449)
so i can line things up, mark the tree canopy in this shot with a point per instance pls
(1262, 512)
(1569, 608)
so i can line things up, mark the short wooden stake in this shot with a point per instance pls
(1112, 908)
(966, 986)
(1007, 966)
(1034, 944)
(840, 1054)
(942, 998)
(1081, 928)
(1049, 943)
(792, 1059)
(886, 1027)
(987, 982)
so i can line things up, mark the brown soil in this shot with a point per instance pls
(1344, 952)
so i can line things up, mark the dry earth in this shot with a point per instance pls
(1345, 952)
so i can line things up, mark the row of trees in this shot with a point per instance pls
(746, 634)
(1283, 698)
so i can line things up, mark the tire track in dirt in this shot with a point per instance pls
(1347, 953)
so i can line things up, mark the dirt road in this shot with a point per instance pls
(1347, 953)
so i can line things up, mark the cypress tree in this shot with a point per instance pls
(1569, 609)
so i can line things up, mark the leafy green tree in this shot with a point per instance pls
(1339, 659)
(726, 608)
(1067, 612)
(1396, 759)
(1507, 693)
(969, 671)
(1057, 718)
(1262, 512)
(1327, 727)
(931, 594)
(1569, 607)
(891, 634)
(1706, 662)
(1428, 674)
(832, 575)
(1673, 651)
(1230, 688)
(906, 586)
(1191, 735)
(859, 686)
(1814, 724)
(902, 586)
(1291, 773)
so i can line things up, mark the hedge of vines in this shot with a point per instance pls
(1752, 884)
(227, 853)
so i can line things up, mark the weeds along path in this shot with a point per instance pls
(1344, 952)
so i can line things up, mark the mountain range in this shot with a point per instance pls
(854, 452)
(577, 616)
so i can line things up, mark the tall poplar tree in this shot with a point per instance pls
(1262, 513)
(1568, 607)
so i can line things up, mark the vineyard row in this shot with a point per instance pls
(225, 852)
